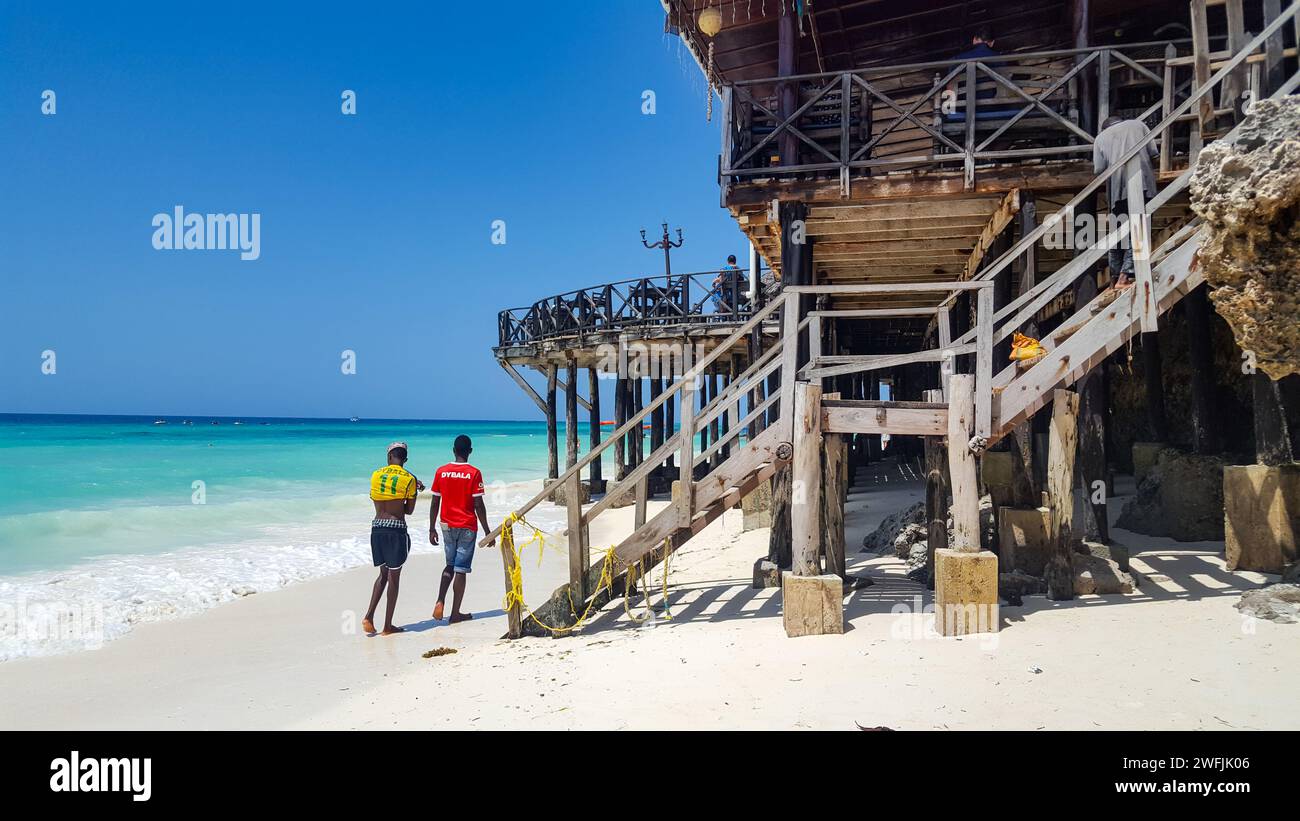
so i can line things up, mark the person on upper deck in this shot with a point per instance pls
(1118, 136)
(728, 287)
(981, 48)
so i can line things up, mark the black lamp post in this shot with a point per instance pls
(667, 244)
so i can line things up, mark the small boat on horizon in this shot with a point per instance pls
(354, 419)
(160, 421)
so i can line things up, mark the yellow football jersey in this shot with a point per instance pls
(392, 482)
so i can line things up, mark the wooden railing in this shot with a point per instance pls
(981, 345)
(744, 406)
(925, 115)
(676, 299)
(1015, 314)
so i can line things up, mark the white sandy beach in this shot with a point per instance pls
(1174, 655)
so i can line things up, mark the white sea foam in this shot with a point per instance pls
(80, 607)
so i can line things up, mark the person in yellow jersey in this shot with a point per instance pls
(393, 489)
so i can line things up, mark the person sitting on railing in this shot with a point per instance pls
(1118, 136)
(729, 281)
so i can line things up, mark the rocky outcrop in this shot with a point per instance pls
(1248, 192)
(881, 540)
(1181, 497)
(1094, 575)
(1277, 602)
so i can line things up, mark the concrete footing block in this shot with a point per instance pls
(1022, 539)
(965, 592)
(1261, 516)
(814, 605)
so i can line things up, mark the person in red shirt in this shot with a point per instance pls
(458, 493)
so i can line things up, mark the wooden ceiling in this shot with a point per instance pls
(842, 34)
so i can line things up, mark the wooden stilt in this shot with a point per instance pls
(936, 497)
(1060, 494)
(670, 428)
(593, 434)
(1273, 437)
(552, 445)
(961, 464)
(656, 416)
(571, 416)
(620, 417)
(805, 508)
(514, 614)
(834, 477)
(1153, 373)
(1092, 433)
(1205, 428)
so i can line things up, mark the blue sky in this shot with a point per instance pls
(375, 228)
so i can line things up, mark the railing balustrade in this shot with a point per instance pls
(676, 299)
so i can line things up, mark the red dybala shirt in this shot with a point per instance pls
(456, 484)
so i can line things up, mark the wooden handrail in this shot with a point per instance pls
(1018, 250)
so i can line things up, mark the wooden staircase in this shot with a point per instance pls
(1001, 400)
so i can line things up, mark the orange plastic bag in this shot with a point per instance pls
(1025, 347)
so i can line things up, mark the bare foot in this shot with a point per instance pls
(455, 617)
(1123, 284)
(368, 626)
(437, 611)
(391, 631)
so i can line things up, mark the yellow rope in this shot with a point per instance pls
(515, 592)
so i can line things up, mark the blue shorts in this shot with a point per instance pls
(458, 544)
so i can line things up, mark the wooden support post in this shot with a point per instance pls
(552, 445)
(686, 477)
(514, 615)
(1274, 73)
(834, 480)
(961, 464)
(597, 482)
(1060, 495)
(1081, 28)
(787, 65)
(1092, 432)
(620, 417)
(656, 416)
(1273, 436)
(638, 432)
(1166, 108)
(936, 497)
(1153, 375)
(715, 427)
(579, 559)
(1201, 67)
(704, 400)
(1205, 429)
(571, 416)
(670, 425)
(984, 365)
(805, 507)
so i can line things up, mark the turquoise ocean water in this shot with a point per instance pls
(102, 515)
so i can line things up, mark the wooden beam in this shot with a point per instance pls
(881, 418)
(1006, 211)
(552, 449)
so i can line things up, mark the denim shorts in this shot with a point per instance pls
(458, 544)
